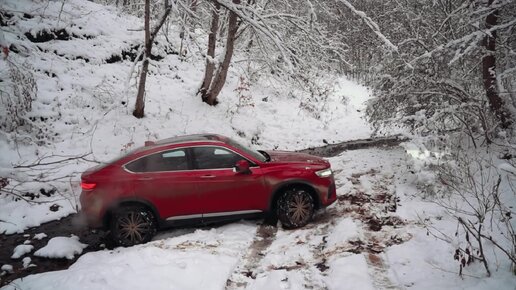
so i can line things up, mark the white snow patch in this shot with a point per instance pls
(425, 262)
(26, 262)
(289, 247)
(357, 95)
(40, 236)
(21, 250)
(344, 231)
(20, 215)
(7, 268)
(61, 247)
(279, 279)
(349, 272)
(507, 168)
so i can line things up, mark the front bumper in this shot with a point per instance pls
(331, 195)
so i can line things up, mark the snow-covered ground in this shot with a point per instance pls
(370, 239)
(357, 243)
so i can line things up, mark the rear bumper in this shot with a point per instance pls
(90, 221)
(91, 212)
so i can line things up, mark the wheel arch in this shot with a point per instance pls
(293, 183)
(129, 202)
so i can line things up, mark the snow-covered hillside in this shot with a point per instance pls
(81, 57)
(85, 98)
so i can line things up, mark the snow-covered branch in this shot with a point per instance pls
(371, 24)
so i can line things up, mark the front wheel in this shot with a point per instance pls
(295, 208)
(132, 225)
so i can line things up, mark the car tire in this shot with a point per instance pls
(271, 219)
(132, 225)
(295, 208)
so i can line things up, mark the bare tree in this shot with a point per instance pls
(436, 71)
(210, 58)
(149, 39)
(209, 93)
(286, 39)
(489, 68)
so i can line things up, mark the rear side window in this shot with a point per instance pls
(214, 158)
(172, 160)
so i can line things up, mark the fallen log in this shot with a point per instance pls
(332, 150)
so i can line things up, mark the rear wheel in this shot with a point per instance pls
(132, 225)
(295, 208)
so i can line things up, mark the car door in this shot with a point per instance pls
(222, 191)
(164, 179)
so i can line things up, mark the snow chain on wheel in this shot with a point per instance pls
(295, 208)
(132, 225)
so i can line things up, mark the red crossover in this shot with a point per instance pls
(202, 179)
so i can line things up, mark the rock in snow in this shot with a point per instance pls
(61, 247)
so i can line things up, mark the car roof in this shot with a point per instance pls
(191, 138)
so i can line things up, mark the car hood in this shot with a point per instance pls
(287, 156)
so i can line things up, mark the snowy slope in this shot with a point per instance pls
(84, 106)
(84, 103)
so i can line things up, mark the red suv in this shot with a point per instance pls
(202, 179)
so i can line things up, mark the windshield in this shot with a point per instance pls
(254, 153)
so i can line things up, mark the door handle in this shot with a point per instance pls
(207, 176)
(145, 178)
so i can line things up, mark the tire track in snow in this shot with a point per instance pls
(370, 202)
(265, 234)
(379, 272)
(379, 203)
(310, 267)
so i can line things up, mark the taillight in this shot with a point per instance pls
(88, 185)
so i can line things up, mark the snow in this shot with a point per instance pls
(40, 236)
(349, 272)
(345, 230)
(199, 260)
(20, 215)
(61, 247)
(426, 262)
(26, 262)
(177, 258)
(507, 168)
(89, 107)
(21, 250)
(6, 267)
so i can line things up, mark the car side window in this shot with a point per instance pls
(172, 160)
(214, 158)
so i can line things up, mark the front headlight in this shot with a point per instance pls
(324, 173)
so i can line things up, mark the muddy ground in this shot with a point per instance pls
(98, 240)
(65, 227)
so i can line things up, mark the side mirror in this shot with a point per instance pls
(242, 166)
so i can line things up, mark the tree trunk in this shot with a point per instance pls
(210, 59)
(139, 107)
(193, 5)
(140, 102)
(221, 74)
(489, 71)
